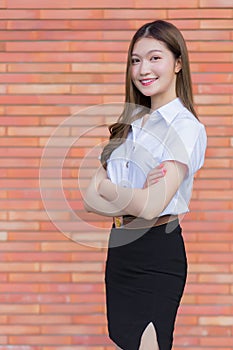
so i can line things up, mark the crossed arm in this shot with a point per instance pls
(94, 202)
(106, 198)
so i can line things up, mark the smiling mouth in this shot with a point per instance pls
(146, 82)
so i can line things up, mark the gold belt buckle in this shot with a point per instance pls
(118, 221)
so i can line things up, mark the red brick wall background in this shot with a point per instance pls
(59, 54)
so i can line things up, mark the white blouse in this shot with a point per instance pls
(171, 133)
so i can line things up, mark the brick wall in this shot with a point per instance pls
(57, 58)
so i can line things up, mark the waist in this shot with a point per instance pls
(129, 221)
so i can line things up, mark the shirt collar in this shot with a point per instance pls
(169, 111)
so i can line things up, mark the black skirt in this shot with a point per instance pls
(145, 278)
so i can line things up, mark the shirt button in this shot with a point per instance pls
(127, 164)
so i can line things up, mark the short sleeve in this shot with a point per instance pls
(186, 143)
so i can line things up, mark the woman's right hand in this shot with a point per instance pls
(155, 175)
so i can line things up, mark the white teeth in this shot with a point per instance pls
(148, 80)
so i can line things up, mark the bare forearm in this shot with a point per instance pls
(95, 203)
(130, 200)
(147, 202)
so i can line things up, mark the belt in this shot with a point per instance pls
(129, 221)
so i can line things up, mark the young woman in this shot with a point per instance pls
(145, 184)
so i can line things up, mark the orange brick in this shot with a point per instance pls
(134, 13)
(90, 340)
(71, 14)
(21, 288)
(19, 121)
(203, 247)
(52, 4)
(35, 256)
(36, 46)
(41, 339)
(219, 142)
(98, 67)
(23, 173)
(211, 78)
(16, 99)
(218, 23)
(84, 267)
(217, 341)
(90, 319)
(38, 89)
(3, 25)
(18, 329)
(40, 319)
(3, 319)
(209, 268)
(24, 267)
(38, 110)
(3, 67)
(36, 131)
(188, 341)
(19, 309)
(12, 246)
(215, 299)
(4, 340)
(4, 277)
(208, 288)
(15, 14)
(223, 278)
(214, 120)
(87, 277)
(91, 309)
(59, 58)
(7, 225)
(199, 13)
(71, 34)
(18, 78)
(204, 35)
(215, 57)
(106, 46)
(215, 3)
(33, 236)
(85, 298)
(169, 4)
(217, 320)
(221, 67)
(72, 288)
(71, 329)
(39, 277)
(38, 67)
(74, 347)
(15, 35)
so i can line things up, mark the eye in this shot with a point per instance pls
(155, 58)
(135, 60)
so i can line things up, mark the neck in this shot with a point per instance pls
(156, 103)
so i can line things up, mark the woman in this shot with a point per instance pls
(145, 183)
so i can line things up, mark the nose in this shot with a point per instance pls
(145, 67)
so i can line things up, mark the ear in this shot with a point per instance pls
(178, 65)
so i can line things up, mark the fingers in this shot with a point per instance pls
(155, 175)
(158, 172)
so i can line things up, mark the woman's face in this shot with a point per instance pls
(153, 71)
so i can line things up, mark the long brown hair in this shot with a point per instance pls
(168, 34)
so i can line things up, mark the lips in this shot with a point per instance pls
(147, 82)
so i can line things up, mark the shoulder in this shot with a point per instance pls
(186, 122)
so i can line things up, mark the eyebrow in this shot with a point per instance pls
(135, 54)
